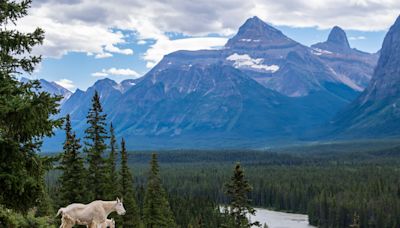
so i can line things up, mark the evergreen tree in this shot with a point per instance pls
(24, 113)
(132, 216)
(112, 175)
(156, 212)
(96, 135)
(356, 221)
(72, 179)
(239, 207)
(45, 205)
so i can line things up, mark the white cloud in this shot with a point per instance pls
(61, 38)
(92, 25)
(66, 83)
(124, 72)
(99, 74)
(141, 42)
(112, 48)
(103, 55)
(164, 46)
(357, 38)
(117, 72)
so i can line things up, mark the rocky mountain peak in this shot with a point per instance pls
(105, 81)
(256, 33)
(337, 42)
(338, 36)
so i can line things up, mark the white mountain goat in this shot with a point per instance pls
(109, 223)
(92, 214)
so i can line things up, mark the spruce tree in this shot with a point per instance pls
(156, 210)
(24, 112)
(132, 216)
(356, 221)
(72, 179)
(239, 207)
(96, 134)
(112, 175)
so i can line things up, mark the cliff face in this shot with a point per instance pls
(376, 112)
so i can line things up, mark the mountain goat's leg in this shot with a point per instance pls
(66, 223)
(93, 224)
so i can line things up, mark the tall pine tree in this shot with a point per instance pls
(156, 210)
(96, 134)
(239, 207)
(132, 217)
(72, 179)
(24, 113)
(112, 175)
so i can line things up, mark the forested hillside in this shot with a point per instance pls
(355, 183)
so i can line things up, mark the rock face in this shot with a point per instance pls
(376, 112)
(352, 66)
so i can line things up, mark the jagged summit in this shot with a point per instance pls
(337, 42)
(256, 33)
(255, 24)
(338, 36)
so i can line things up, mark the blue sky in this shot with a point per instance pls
(87, 40)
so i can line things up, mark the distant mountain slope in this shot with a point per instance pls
(376, 112)
(200, 99)
(52, 88)
(353, 67)
(79, 103)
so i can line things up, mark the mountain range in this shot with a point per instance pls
(261, 88)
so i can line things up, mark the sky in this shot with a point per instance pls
(87, 40)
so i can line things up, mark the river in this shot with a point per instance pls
(275, 219)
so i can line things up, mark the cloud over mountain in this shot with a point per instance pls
(116, 72)
(70, 24)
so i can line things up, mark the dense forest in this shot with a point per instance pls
(352, 187)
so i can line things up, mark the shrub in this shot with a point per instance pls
(11, 219)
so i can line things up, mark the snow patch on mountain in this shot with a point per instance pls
(317, 51)
(249, 40)
(119, 87)
(245, 61)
